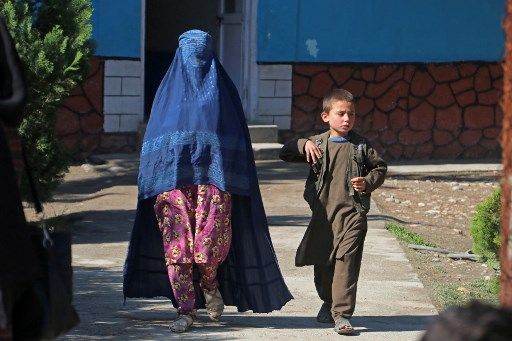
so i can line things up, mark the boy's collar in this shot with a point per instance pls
(339, 139)
(348, 137)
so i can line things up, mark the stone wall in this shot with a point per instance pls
(79, 122)
(409, 111)
(81, 119)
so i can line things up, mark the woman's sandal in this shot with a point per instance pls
(342, 326)
(182, 323)
(214, 304)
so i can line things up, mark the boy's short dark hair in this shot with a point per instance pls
(336, 95)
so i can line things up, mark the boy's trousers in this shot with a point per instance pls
(336, 283)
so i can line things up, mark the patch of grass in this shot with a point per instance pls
(459, 294)
(403, 234)
(494, 264)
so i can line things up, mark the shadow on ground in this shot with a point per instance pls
(121, 172)
(150, 317)
(95, 226)
(276, 172)
(289, 220)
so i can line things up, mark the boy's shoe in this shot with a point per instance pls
(342, 326)
(182, 323)
(324, 315)
(214, 304)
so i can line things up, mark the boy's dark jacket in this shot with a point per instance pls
(317, 246)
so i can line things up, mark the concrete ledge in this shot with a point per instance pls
(266, 151)
(446, 166)
(263, 133)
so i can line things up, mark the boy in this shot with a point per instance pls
(344, 171)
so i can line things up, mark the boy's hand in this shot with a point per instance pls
(359, 183)
(313, 153)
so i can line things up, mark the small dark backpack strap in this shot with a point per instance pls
(360, 158)
(317, 166)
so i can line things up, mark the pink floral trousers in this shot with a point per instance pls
(195, 222)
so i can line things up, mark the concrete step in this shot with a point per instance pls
(263, 133)
(266, 151)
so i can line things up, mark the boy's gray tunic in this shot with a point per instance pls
(338, 213)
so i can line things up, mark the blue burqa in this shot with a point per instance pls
(197, 134)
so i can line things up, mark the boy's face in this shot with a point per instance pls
(341, 118)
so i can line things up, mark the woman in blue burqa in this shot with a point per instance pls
(200, 235)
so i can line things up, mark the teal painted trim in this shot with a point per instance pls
(116, 28)
(372, 31)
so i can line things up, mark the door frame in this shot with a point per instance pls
(145, 115)
(250, 72)
(250, 77)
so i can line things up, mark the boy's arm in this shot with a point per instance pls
(378, 169)
(293, 151)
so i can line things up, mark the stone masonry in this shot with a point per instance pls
(79, 121)
(409, 111)
(88, 120)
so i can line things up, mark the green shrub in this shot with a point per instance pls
(485, 227)
(53, 39)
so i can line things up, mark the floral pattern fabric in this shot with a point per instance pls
(195, 222)
(180, 276)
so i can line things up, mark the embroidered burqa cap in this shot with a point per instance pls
(197, 134)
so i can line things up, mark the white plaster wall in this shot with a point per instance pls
(123, 96)
(275, 95)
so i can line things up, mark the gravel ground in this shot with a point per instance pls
(438, 207)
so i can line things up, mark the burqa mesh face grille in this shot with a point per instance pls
(196, 47)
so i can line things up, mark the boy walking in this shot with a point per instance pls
(345, 169)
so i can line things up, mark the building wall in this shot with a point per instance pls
(122, 96)
(373, 31)
(427, 85)
(117, 28)
(275, 95)
(79, 121)
(104, 113)
(117, 32)
(295, 34)
(409, 111)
